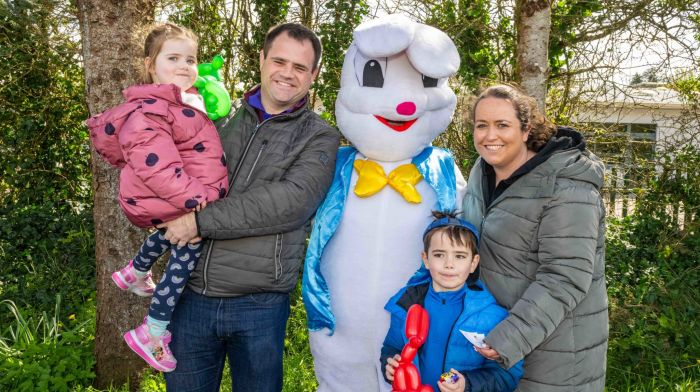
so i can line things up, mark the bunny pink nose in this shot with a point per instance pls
(406, 108)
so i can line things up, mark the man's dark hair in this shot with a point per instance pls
(299, 33)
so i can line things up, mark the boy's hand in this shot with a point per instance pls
(456, 387)
(487, 352)
(391, 365)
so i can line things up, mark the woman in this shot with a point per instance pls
(534, 193)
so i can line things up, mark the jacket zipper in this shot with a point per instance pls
(255, 162)
(487, 209)
(449, 338)
(230, 185)
(278, 256)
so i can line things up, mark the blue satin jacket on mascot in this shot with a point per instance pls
(437, 168)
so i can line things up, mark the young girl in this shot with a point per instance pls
(171, 162)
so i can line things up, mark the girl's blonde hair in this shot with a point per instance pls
(155, 39)
(526, 110)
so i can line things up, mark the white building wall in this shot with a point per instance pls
(674, 127)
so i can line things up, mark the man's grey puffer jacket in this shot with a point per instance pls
(542, 256)
(280, 171)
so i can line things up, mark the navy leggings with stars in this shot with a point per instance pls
(182, 261)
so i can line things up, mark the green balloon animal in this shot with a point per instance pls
(216, 99)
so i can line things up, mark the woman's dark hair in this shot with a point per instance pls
(526, 110)
(298, 32)
(457, 234)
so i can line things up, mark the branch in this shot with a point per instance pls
(614, 26)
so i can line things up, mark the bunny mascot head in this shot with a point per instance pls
(394, 98)
(393, 101)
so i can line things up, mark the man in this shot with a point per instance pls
(281, 158)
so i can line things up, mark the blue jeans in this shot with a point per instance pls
(249, 330)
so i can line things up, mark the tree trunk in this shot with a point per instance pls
(306, 13)
(533, 21)
(112, 52)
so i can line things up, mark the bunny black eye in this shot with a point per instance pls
(372, 75)
(429, 82)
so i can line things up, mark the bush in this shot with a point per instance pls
(654, 284)
(44, 251)
(42, 354)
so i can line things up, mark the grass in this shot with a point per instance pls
(298, 362)
(654, 325)
(666, 376)
(642, 357)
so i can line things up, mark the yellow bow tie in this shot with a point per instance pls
(371, 179)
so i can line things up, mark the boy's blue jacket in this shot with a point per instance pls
(480, 314)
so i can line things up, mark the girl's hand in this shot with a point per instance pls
(487, 352)
(391, 365)
(201, 206)
(456, 387)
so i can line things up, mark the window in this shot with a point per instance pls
(623, 143)
(628, 151)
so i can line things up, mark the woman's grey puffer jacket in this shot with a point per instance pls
(543, 257)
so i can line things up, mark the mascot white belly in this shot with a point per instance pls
(373, 249)
(367, 236)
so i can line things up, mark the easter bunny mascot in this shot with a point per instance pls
(367, 237)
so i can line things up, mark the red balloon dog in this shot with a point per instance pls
(406, 377)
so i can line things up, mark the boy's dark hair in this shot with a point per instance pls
(298, 32)
(458, 231)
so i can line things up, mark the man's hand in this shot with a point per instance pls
(456, 387)
(391, 365)
(487, 352)
(181, 230)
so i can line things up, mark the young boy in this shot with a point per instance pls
(456, 302)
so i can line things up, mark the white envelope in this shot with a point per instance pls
(474, 338)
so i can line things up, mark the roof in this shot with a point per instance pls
(641, 95)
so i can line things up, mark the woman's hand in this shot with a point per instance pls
(456, 387)
(487, 352)
(391, 365)
(201, 206)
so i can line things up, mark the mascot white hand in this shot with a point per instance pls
(394, 99)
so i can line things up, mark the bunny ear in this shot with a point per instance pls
(385, 36)
(432, 52)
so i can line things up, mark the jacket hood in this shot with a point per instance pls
(166, 92)
(415, 292)
(106, 126)
(571, 159)
(134, 95)
(568, 138)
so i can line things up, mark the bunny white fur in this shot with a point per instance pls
(362, 250)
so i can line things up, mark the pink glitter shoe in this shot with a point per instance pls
(126, 279)
(153, 349)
